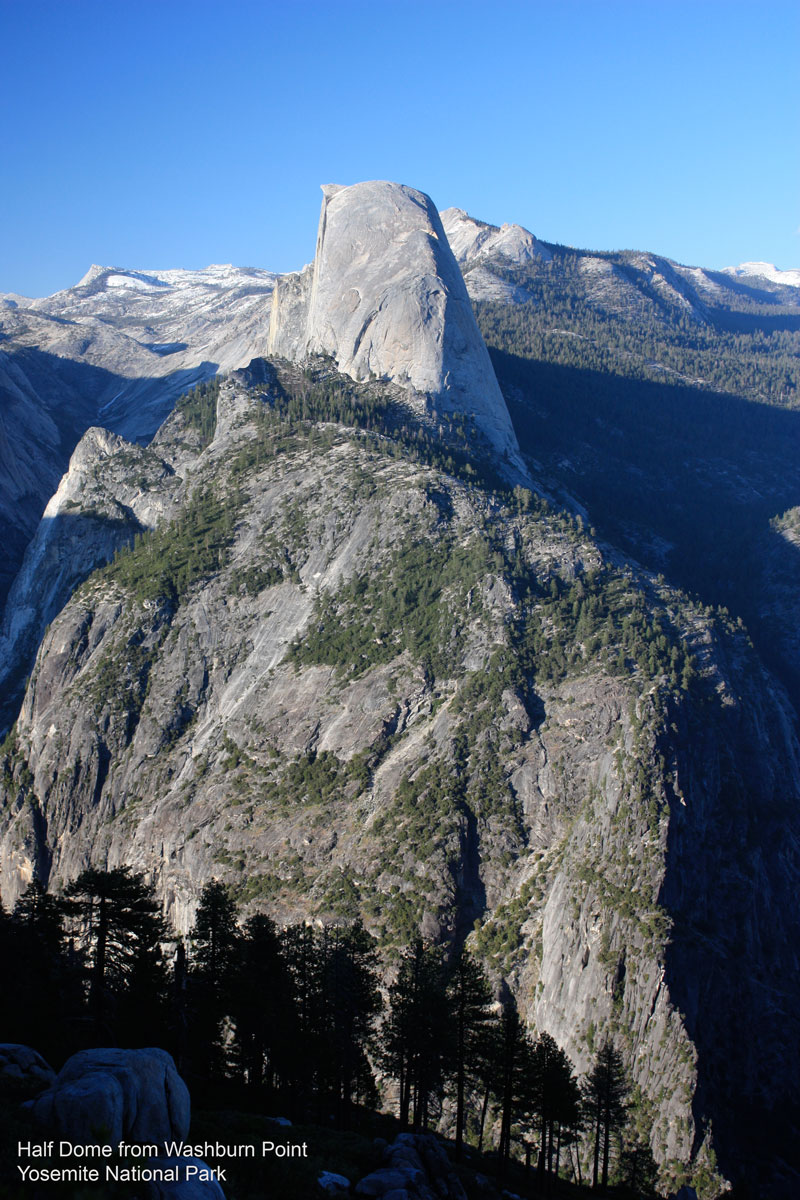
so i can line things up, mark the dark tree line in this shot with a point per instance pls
(295, 1017)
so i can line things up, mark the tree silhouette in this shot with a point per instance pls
(261, 1006)
(512, 1083)
(415, 1034)
(215, 942)
(638, 1168)
(469, 997)
(606, 1091)
(120, 928)
(350, 1002)
(33, 939)
(554, 1097)
(303, 964)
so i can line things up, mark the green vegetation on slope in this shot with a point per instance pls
(164, 563)
(199, 410)
(735, 346)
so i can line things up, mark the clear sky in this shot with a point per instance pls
(165, 133)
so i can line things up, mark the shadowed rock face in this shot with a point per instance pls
(387, 299)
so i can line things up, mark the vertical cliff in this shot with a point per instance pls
(386, 300)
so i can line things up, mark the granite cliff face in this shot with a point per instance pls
(384, 296)
(386, 300)
(345, 679)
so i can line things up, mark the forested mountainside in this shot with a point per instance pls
(345, 639)
(663, 401)
(349, 674)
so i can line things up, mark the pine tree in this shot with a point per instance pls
(350, 1003)
(33, 939)
(415, 1035)
(261, 1006)
(469, 997)
(554, 1098)
(606, 1091)
(214, 944)
(119, 926)
(512, 1082)
(306, 1040)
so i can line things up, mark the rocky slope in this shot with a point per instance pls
(495, 260)
(349, 678)
(117, 350)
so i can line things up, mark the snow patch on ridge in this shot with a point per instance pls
(765, 270)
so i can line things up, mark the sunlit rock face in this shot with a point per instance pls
(387, 300)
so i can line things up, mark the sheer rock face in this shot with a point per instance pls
(112, 490)
(116, 350)
(387, 299)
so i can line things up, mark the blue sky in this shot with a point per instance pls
(161, 133)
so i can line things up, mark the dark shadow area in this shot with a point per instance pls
(684, 480)
(470, 900)
(731, 963)
(687, 482)
(77, 544)
(163, 349)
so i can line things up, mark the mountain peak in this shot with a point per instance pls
(387, 299)
(471, 239)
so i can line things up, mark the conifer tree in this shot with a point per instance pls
(416, 1032)
(119, 926)
(554, 1098)
(33, 940)
(214, 943)
(306, 1030)
(606, 1091)
(350, 1003)
(469, 997)
(261, 1006)
(512, 1084)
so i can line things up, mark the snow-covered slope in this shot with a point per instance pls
(764, 270)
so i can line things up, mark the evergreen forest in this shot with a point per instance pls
(294, 1021)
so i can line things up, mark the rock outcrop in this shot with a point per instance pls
(112, 490)
(479, 248)
(417, 1168)
(108, 1096)
(24, 1066)
(116, 350)
(387, 300)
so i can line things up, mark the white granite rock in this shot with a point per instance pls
(388, 300)
(109, 1095)
(24, 1064)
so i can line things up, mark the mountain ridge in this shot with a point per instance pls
(312, 641)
